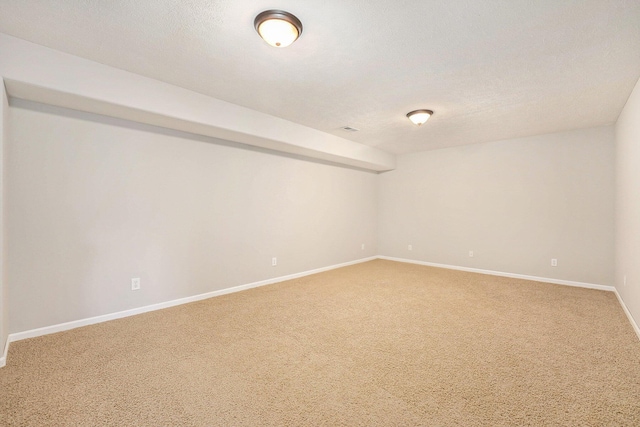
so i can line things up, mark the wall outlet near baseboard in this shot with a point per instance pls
(410, 247)
(554, 262)
(471, 254)
(363, 246)
(135, 284)
(274, 261)
(624, 280)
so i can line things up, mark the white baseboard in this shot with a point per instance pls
(126, 313)
(503, 274)
(628, 313)
(3, 359)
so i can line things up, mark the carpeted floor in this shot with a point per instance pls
(374, 344)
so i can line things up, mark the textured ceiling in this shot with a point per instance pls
(489, 69)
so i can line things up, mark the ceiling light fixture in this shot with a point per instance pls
(277, 27)
(419, 117)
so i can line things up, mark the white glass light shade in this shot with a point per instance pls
(278, 28)
(278, 33)
(419, 117)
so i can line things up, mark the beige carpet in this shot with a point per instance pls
(375, 344)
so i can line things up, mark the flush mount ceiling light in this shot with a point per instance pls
(419, 117)
(277, 27)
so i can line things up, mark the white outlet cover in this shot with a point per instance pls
(471, 254)
(274, 261)
(135, 284)
(554, 262)
(410, 247)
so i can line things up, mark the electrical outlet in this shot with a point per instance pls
(135, 284)
(554, 262)
(363, 246)
(274, 261)
(471, 254)
(410, 247)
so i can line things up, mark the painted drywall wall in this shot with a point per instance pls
(95, 201)
(627, 250)
(516, 204)
(4, 303)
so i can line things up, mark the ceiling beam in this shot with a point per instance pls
(40, 74)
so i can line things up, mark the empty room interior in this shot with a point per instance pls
(337, 213)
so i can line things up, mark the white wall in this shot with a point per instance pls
(4, 302)
(94, 202)
(628, 204)
(517, 204)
